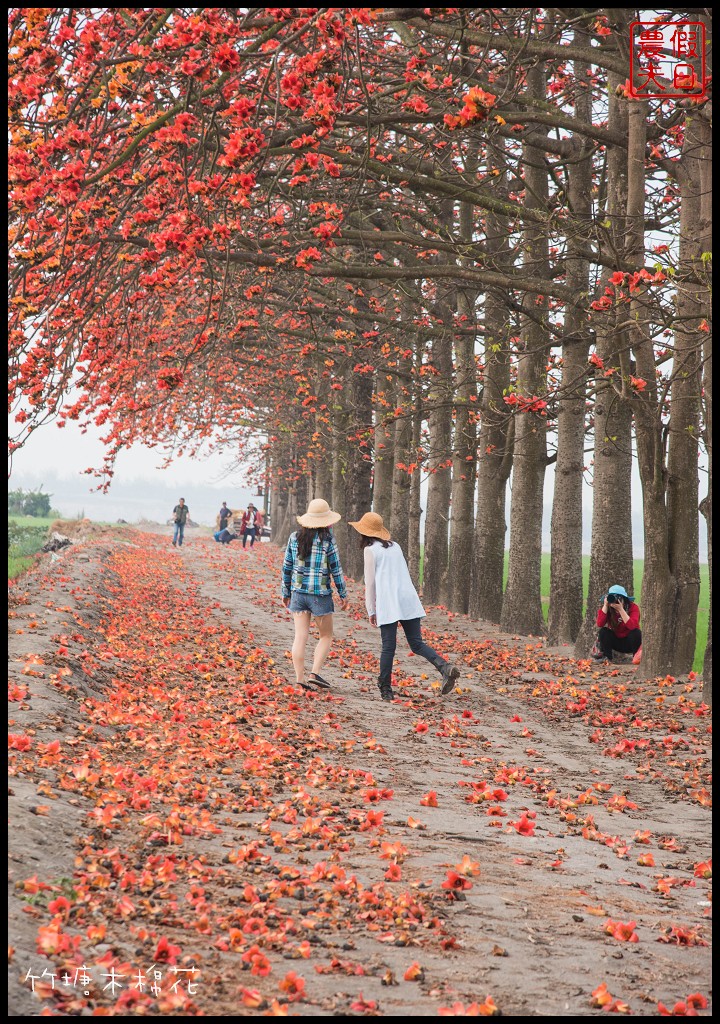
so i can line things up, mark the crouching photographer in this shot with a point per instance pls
(619, 622)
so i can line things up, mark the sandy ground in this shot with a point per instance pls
(171, 790)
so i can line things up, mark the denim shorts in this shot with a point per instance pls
(316, 604)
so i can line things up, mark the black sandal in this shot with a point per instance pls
(317, 680)
(306, 686)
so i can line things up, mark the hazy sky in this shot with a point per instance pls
(69, 452)
(57, 459)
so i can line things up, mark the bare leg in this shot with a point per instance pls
(302, 631)
(325, 626)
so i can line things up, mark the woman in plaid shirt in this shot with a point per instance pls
(311, 558)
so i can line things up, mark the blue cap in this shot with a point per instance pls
(620, 590)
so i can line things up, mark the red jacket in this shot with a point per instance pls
(258, 520)
(616, 624)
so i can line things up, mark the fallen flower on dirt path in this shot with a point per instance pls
(429, 800)
(362, 1005)
(166, 953)
(340, 967)
(414, 972)
(252, 998)
(414, 823)
(393, 851)
(678, 1010)
(664, 885)
(620, 803)
(704, 869)
(678, 936)
(486, 1009)
(60, 906)
(32, 885)
(456, 883)
(467, 867)
(293, 985)
(19, 741)
(623, 931)
(603, 1000)
(524, 826)
(51, 939)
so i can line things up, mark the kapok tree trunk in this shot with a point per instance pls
(566, 583)
(494, 457)
(437, 515)
(705, 233)
(384, 447)
(404, 458)
(415, 511)
(322, 487)
(522, 606)
(339, 475)
(658, 590)
(464, 458)
(611, 550)
(359, 474)
(683, 483)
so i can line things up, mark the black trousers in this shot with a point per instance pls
(609, 642)
(417, 645)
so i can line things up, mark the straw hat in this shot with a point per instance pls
(371, 525)
(319, 514)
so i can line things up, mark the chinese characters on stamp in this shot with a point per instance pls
(667, 60)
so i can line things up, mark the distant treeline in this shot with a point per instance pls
(29, 503)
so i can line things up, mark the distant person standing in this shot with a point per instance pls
(224, 517)
(180, 518)
(252, 522)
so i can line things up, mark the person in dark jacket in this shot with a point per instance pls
(180, 517)
(619, 622)
(223, 517)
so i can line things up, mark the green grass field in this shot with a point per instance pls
(703, 605)
(638, 566)
(26, 535)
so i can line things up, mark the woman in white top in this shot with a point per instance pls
(391, 598)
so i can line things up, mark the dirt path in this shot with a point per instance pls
(189, 808)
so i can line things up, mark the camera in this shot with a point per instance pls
(614, 599)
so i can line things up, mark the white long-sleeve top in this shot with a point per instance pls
(389, 591)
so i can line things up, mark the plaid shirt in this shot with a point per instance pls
(313, 575)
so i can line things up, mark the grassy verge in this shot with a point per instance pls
(703, 605)
(26, 536)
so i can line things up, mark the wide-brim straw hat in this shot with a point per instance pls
(319, 514)
(371, 525)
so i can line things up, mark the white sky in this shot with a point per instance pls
(68, 452)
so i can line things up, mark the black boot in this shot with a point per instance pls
(450, 674)
(386, 690)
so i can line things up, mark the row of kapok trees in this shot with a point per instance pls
(395, 244)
